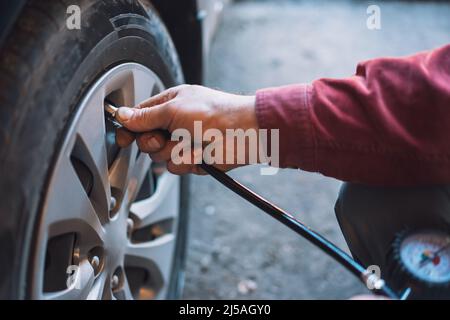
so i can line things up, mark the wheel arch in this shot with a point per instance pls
(9, 11)
(185, 27)
(183, 24)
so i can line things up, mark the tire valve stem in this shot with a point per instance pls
(111, 113)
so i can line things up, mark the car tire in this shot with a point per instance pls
(45, 71)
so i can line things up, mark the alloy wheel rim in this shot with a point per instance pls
(100, 236)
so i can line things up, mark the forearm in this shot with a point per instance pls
(387, 125)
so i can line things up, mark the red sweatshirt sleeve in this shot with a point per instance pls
(387, 125)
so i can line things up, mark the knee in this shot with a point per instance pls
(414, 207)
(355, 200)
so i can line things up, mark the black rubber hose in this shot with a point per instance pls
(295, 225)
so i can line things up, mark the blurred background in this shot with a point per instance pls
(235, 250)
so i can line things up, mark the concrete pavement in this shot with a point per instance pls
(235, 250)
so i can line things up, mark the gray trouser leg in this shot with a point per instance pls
(370, 217)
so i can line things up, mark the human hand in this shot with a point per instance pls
(178, 108)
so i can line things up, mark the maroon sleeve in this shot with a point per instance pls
(387, 125)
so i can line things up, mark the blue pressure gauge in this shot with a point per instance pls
(421, 261)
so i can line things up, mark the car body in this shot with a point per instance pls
(191, 25)
(124, 52)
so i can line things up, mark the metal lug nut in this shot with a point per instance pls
(112, 204)
(115, 282)
(95, 262)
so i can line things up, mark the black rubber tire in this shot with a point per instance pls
(45, 69)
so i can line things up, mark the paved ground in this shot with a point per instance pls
(236, 251)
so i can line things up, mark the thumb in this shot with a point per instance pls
(145, 119)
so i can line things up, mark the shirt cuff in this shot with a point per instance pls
(287, 109)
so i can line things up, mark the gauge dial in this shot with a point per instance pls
(427, 256)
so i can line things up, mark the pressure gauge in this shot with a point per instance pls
(421, 261)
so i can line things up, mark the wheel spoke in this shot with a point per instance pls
(140, 169)
(154, 256)
(91, 149)
(80, 287)
(98, 289)
(121, 170)
(143, 85)
(162, 205)
(125, 292)
(69, 208)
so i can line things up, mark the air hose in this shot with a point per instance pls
(380, 287)
(315, 238)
